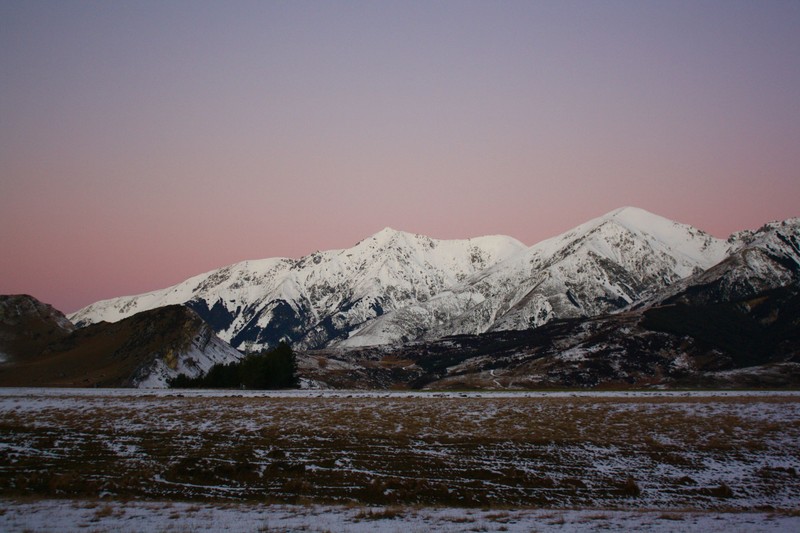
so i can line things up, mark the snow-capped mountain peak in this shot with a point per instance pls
(618, 230)
(387, 234)
(599, 266)
(395, 286)
(321, 296)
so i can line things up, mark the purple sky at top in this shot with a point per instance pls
(144, 142)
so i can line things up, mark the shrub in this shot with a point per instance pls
(722, 491)
(631, 488)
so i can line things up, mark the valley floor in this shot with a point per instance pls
(350, 461)
(64, 516)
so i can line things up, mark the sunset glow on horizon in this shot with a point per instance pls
(145, 142)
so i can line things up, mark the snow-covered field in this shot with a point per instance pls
(63, 516)
(186, 460)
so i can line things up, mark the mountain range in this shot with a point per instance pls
(395, 291)
(321, 298)
(396, 286)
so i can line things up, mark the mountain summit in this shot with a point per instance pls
(600, 266)
(323, 296)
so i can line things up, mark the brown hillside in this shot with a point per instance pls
(106, 355)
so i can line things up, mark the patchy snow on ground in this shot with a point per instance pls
(678, 454)
(34, 392)
(64, 516)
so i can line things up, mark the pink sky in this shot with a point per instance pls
(142, 143)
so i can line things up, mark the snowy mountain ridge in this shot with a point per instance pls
(597, 267)
(394, 286)
(759, 260)
(310, 300)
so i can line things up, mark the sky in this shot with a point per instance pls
(145, 142)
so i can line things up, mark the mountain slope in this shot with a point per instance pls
(140, 351)
(734, 325)
(761, 260)
(752, 342)
(27, 326)
(600, 266)
(320, 297)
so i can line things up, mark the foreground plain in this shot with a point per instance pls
(60, 516)
(662, 452)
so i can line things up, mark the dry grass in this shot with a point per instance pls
(501, 517)
(473, 452)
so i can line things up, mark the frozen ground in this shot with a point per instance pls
(35, 392)
(98, 516)
(693, 460)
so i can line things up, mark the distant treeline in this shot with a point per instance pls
(276, 369)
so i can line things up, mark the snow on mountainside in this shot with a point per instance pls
(396, 286)
(760, 260)
(600, 266)
(319, 297)
(200, 350)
